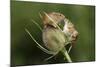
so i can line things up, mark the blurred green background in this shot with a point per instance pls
(24, 50)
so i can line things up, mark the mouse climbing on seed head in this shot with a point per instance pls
(54, 38)
(51, 21)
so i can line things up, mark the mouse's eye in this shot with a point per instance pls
(60, 15)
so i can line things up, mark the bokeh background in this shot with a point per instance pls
(24, 50)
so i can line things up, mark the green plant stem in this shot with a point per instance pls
(69, 48)
(65, 53)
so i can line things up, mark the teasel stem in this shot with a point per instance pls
(66, 55)
(69, 48)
